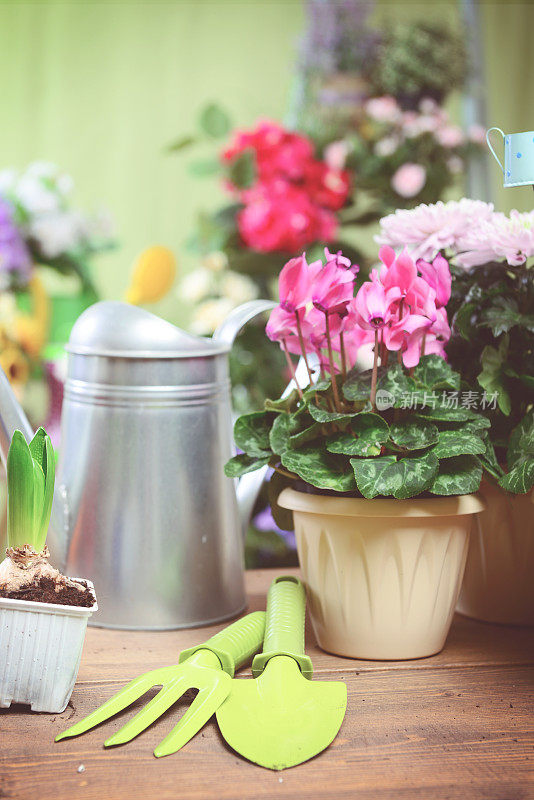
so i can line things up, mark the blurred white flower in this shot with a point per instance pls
(8, 179)
(196, 285)
(216, 261)
(238, 288)
(58, 233)
(209, 315)
(428, 106)
(387, 146)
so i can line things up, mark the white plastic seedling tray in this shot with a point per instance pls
(40, 650)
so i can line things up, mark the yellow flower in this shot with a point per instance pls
(14, 364)
(31, 330)
(153, 275)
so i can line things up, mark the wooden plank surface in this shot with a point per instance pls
(457, 725)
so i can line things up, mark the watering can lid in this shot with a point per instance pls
(111, 328)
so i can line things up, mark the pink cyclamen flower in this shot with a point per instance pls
(409, 179)
(438, 276)
(372, 306)
(400, 272)
(333, 288)
(283, 327)
(295, 281)
(341, 261)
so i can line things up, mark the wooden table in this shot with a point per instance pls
(457, 725)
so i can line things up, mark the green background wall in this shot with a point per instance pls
(101, 88)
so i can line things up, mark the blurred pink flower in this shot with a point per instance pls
(281, 216)
(477, 134)
(383, 109)
(335, 154)
(450, 136)
(409, 179)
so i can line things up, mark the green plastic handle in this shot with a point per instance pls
(284, 627)
(234, 645)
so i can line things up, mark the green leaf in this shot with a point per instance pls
(398, 384)
(368, 432)
(305, 436)
(251, 433)
(181, 143)
(242, 170)
(320, 469)
(458, 475)
(442, 413)
(323, 416)
(492, 376)
(20, 488)
(435, 373)
(43, 454)
(463, 320)
(520, 479)
(214, 121)
(458, 443)
(488, 459)
(521, 439)
(505, 315)
(242, 463)
(283, 404)
(204, 167)
(414, 433)
(284, 426)
(357, 386)
(404, 478)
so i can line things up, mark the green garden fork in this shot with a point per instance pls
(208, 667)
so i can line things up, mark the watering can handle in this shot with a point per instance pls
(235, 644)
(495, 156)
(284, 625)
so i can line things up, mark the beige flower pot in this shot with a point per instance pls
(382, 575)
(499, 574)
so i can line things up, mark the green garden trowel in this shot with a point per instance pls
(208, 667)
(283, 717)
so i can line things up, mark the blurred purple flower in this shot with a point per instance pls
(264, 522)
(15, 259)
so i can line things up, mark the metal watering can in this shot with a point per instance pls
(142, 506)
(518, 169)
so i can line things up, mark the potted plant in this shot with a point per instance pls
(379, 466)
(492, 346)
(43, 614)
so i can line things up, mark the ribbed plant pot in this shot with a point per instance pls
(383, 575)
(499, 574)
(40, 651)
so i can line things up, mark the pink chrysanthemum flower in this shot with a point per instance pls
(429, 229)
(498, 238)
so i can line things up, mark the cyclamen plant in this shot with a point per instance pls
(389, 430)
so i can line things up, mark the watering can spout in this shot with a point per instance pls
(12, 418)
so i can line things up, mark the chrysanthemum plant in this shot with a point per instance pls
(391, 430)
(492, 312)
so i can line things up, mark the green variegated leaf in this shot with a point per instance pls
(435, 373)
(488, 459)
(386, 476)
(357, 386)
(521, 439)
(320, 469)
(458, 443)
(307, 435)
(458, 475)
(520, 479)
(365, 437)
(284, 426)
(323, 416)
(319, 387)
(442, 413)
(241, 464)
(413, 433)
(398, 385)
(477, 424)
(251, 433)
